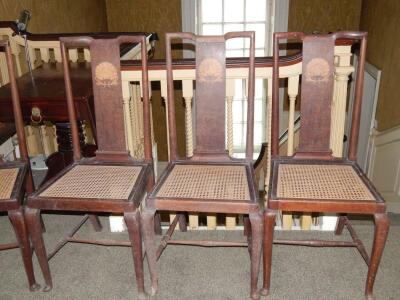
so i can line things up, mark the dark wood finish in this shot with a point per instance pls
(43, 89)
(112, 151)
(316, 97)
(210, 151)
(23, 182)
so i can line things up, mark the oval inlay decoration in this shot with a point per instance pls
(210, 70)
(106, 74)
(317, 70)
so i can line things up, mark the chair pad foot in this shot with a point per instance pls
(255, 295)
(264, 292)
(47, 288)
(34, 287)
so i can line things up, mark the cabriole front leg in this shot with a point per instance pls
(381, 232)
(21, 232)
(269, 224)
(35, 230)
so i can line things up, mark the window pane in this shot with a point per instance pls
(260, 34)
(237, 135)
(211, 10)
(237, 111)
(258, 110)
(238, 89)
(234, 53)
(212, 29)
(255, 10)
(257, 133)
(236, 43)
(259, 88)
(233, 10)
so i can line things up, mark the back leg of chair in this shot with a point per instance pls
(149, 242)
(247, 232)
(341, 222)
(157, 224)
(94, 219)
(269, 224)
(257, 229)
(381, 232)
(132, 220)
(32, 217)
(21, 232)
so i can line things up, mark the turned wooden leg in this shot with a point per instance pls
(94, 219)
(269, 224)
(132, 220)
(256, 246)
(21, 232)
(340, 224)
(182, 222)
(381, 232)
(149, 243)
(32, 217)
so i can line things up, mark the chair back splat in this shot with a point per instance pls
(107, 91)
(317, 92)
(210, 96)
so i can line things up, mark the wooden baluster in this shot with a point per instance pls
(45, 54)
(268, 130)
(3, 69)
(32, 56)
(126, 98)
(57, 54)
(73, 55)
(338, 113)
(86, 54)
(15, 50)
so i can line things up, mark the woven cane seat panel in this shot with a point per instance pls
(206, 182)
(98, 182)
(7, 181)
(325, 182)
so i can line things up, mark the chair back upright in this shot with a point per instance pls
(317, 84)
(18, 119)
(107, 92)
(210, 96)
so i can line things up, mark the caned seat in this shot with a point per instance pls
(321, 182)
(16, 179)
(313, 180)
(8, 178)
(219, 182)
(209, 181)
(112, 181)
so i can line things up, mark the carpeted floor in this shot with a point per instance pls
(94, 272)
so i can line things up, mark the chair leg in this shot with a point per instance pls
(132, 220)
(182, 222)
(256, 246)
(247, 232)
(381, 232)
(32, 217)
(149, 243)
(21, 232)
(269, 224)
(340, 224)
(157, 224)
(94, 219)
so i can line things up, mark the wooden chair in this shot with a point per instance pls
(15, 179)
(112, 181)
(312, 180)
(210, 181)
